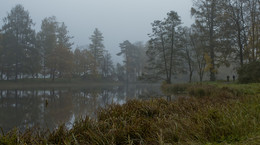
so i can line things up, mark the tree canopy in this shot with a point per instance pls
(225, 33)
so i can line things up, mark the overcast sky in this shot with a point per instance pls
(118, 20)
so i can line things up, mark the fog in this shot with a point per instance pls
(118, 20)
(65, 64)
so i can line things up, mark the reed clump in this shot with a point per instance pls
(220, 115)
(169, 89)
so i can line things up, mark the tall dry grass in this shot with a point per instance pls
(220, 115)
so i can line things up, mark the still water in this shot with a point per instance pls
(47, 108)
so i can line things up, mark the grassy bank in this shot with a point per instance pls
(213, 114)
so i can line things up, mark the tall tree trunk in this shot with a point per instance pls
(2, 71)
(171, 59)
(16, 67)
(201, 78)
(127, 65)
(190, 64)
(165, 61)
(191, 73)
(241, 56)
(53, 76)
(211, 41)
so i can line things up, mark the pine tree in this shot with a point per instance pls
(107, 65)
(19, 43)
(63, 37)
(47, 42)
(163, 51)
(54, 41)
(208, 16)
(97, 49)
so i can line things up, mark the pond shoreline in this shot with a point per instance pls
(25, 84)
(48, 106)
(216, 114)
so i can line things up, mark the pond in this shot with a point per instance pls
(48, 107)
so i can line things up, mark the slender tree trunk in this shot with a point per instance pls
(16, 60)
(190, 64)
(211, 41)
(165, 61)
(53, 75)
(240, 19)
(240, 48)
(44, 68)
(171, 59)
(1, 96)
(253, 20)
(191, 73)
(201, 72)
(253, 42)
(127, 69)
(7, 76)
(16, 107)
(201, 78)
(2, 71)
(16, 67)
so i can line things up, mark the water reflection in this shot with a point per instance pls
(47, 108)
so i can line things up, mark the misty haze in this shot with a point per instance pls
(130, 72)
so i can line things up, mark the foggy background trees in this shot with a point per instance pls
(48, 53)
(18, 44)
(225, 34)
(163, 48)
(134, 60)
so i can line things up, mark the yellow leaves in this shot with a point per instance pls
(60, 60)
(209, 65)
(208, 62)
(252, 50)
(85, 63)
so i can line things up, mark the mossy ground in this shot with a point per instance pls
(212, 114)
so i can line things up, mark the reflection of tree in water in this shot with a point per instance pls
(59, 108)
(27, 108)
(18, 109)
(133, 91)
(89, 100)
(50, 107)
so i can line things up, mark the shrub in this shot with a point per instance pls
(249, 73)
(201, 90)
(174, 88)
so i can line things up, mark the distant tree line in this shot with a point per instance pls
(48, 53)
(225, 33)
(25, 53)
(134, 60)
